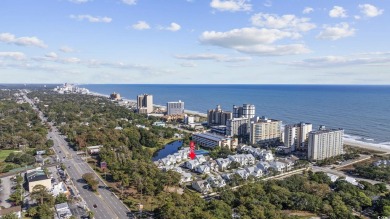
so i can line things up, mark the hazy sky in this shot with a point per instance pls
(195, 41)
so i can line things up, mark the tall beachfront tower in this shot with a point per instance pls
(325, 143)
(218, 117)
(145, 103)
(247, 111)
(265, 131)
(296, 135)
(175, 108)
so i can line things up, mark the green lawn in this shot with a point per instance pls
(4, 154)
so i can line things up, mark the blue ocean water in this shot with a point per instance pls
(361, 110)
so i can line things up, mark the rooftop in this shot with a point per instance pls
(36, 175)
(211, 136)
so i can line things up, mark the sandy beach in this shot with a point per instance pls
(366, 145)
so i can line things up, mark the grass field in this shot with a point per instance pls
(4, 154)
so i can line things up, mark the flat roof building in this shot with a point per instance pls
(325, 143)
(145, 103)
(37, 177)
(265, 131)
(210, 140)
(175, 108)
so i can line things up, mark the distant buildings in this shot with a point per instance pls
(188, 119)
(145, 103)
(325, 143)
(37, 177)
(175, 108)
(212, 140)
(296, 135)
(115, 96)
(218, 117)
(70, 88)
(265, 131)
(247, 111)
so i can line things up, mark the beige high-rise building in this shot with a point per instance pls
(325, 143)
(265, 131)
(296, 135)
(175, 108)
(145, 103)
(218, 117)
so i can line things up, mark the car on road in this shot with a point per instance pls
(94, 205)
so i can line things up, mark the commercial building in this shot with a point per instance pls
(175, 108)
(188, 119)
(296, 135)
(218, 117)
(265, 131)
(325, 143)
(237, 126)
(37, 177)
(247, 111)
(145, 103)
(210, 140)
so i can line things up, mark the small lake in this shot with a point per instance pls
(170, 148)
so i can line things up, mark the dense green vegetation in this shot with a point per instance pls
(20, 130)
(90, 120)
(379, 173)
(313, 192)
(45, 203)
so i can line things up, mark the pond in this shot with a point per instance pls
(170, 148)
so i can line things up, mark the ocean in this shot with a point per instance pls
(363, 111)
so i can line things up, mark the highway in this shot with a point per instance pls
(105, 204)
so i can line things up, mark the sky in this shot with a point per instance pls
(195, 41)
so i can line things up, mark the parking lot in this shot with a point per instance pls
(7, 184)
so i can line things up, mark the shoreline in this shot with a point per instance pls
(353, 142)
(366, 145)
(154, 105)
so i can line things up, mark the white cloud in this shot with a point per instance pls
(370, 10)
(338, 11)
(231, 5)
(52, 55)
(287, 21)
(13, 55)
(141, 25)
(173, 27)
(336, 32)
(91, 18)
(336, 61)
(215, 57)
(307, 10)
(66, 49)
(254, 41)
(79, 1)
(130, 2)
(21, 41)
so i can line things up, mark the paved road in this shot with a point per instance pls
(108, 205)
(342, 174)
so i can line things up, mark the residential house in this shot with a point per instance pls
(16, 210)
(216, 181)
(227, 176)
(202, 169)
(264, 166)
(254, 171)
(223, 164)
(212, 164)
(278, 166)
(200, 158)
(243, 159)
(201, 186)
(242, 173)
(191, 164)
(185, 177)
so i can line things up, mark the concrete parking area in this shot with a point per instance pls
(7, 184)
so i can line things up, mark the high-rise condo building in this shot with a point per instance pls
(265, 131)
(145, 103)
(247, 111)
(325, 143)
(175, 108)
(296, 135)
(237, 126)
(217, 116)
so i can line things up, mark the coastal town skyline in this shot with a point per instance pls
(194, 42)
